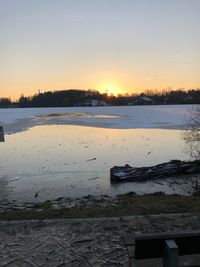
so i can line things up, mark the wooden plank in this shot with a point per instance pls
(152, 246)
(170, 258)
(2, 139)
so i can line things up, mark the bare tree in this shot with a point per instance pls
(192, 132)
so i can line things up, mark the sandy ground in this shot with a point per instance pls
(81, 242)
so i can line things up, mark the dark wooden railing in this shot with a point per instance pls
(168, 246)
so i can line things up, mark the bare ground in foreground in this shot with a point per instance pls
(81, 242)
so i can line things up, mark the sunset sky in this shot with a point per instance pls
(115, 45)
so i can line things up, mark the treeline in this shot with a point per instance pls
(65, 98)
(72, 97)
(5, 102)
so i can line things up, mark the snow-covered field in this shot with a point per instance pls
(71, 154)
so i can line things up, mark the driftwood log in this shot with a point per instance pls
(134, 174)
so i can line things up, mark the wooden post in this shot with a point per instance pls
(1, 134)
(130, 244)
(170, 258)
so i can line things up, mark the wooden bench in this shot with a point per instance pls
(168, 246)
(2, 139)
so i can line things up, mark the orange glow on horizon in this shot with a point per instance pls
(110, 89)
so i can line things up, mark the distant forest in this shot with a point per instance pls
(73, 97)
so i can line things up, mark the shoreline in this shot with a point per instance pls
(103, 206)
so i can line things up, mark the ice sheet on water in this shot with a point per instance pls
(119, 117)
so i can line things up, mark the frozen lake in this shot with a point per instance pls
(122, 117)
(69, 151)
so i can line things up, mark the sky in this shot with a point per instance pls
(118, 46)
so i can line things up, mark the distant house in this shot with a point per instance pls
(92, 103)
(143, 100)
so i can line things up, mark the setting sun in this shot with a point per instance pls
(110, 89)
